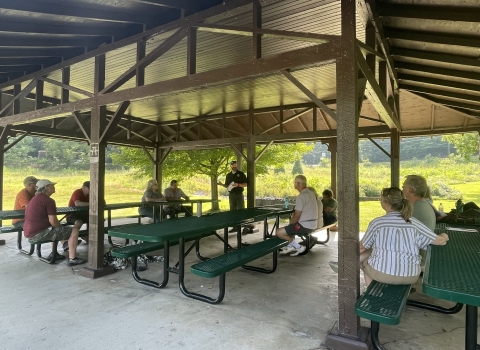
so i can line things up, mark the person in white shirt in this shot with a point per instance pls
(389, 251)
(303, 220)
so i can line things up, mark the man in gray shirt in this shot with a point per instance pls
(174, 193)
(303, 220)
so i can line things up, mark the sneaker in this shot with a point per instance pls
(234, 229)
(247, 231)
(59, 257)
(299, 251)
(287, 250)
(334, 266)
(65, 245)
(75, 261)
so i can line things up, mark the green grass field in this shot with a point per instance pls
(124, 186)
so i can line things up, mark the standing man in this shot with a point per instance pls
(303, 220)
(24, 197)
(41, 223)
(174, 193)
(80, 198)
(235, 182)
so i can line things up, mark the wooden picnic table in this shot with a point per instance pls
(452, 272)
(170, 231)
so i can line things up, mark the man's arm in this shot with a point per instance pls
(22, 200)
(54, 221)
(295, 217)
(79, 203)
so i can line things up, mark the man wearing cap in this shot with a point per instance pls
(41, 223)
(23, 197)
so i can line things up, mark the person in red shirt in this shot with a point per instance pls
(23, 197)
(41, 223)
(79, 198)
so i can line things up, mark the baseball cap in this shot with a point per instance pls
(44, 182)
(29, 179)
(233, 162)
(86, 184)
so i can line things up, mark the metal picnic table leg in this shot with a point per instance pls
(181, 279)
(166, 260)
(471, 328)
(199, 209)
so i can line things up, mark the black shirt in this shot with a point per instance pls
(238, 177)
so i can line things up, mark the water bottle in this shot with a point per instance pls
(459, 206)
(440, 209)
(287, 202)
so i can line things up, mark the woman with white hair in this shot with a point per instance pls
(152, 194)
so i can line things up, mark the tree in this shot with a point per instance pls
(212, 163)
(297, 168)
(466, 144)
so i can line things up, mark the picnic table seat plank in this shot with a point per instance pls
(38, 245)
(382, 303)
(220, 265)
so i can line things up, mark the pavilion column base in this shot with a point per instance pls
(96, 273)
(2, 242)
(338, 341)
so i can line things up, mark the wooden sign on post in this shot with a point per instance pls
(94, 153)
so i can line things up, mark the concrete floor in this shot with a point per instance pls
(51, 307)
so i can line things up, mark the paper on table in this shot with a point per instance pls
(461, 229)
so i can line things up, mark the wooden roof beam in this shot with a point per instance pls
(223, 8)
(439, 82)
(438, 13)
(375, 94)
(367, 11)
(439, 57)
(438, 92)
(443, 39)
(298, 59)
(455, 73)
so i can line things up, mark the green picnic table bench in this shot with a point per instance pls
(132, 251)
(382, 303)
(222, 264)
(38, 244)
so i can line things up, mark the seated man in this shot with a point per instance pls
(313, 239)
(41, 223)
(174, 193)
(79, 198)
(329, 208)
(303, 220)
(23, 197)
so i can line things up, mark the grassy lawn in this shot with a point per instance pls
(124, 186)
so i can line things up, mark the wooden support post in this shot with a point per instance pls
(140, 74)
(17, 88)
(157, 166)
(251, 173)
(257, 24)
(96, 235)
(332, 147)
(39, 94)
(395, 158)
(349, 334)
(66, 81)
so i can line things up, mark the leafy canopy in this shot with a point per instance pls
(466, 144)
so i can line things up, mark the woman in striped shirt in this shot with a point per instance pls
(389, 251)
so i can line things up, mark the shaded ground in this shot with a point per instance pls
(51, 307)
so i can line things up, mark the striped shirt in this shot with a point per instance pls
(395, 244)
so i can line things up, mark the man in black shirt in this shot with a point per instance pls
(235, 181)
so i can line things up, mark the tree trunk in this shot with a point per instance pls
(214, 186)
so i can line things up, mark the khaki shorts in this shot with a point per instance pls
(386, 278)
(61, 233)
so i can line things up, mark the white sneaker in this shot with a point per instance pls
(299, 251)
(287, 250)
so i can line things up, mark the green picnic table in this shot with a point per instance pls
(172, 231)
(452, 272)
